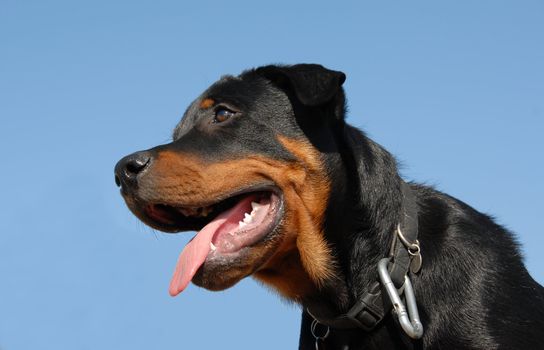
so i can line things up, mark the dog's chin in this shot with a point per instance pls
(221, 272)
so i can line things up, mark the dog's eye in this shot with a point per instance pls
(222, 114)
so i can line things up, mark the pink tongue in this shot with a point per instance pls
(195, 252)
(192, 256)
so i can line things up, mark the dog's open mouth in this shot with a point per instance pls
(224, 229)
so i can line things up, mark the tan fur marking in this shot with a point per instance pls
(206, 103)
(314, 252)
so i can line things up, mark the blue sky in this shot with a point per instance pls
(454, 89)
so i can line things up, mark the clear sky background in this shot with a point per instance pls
(455, 89)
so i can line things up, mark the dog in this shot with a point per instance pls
(279, 187)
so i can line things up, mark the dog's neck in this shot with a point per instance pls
(367, 218)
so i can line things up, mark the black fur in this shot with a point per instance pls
(473, 291)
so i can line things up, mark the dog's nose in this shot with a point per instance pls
(128, 168)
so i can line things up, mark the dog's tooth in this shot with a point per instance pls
(185, 212)
(255, 209)
(212, 246)
(241, 224)
(248, 218)
(255, 205)
(190, 212)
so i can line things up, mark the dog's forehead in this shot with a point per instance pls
(242, 89)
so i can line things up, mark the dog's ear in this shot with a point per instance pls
(312, 84)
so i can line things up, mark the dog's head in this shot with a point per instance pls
(249, 169)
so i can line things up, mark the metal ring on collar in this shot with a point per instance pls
(409, 245)
(313, 328)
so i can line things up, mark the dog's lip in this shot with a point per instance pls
(164, 215)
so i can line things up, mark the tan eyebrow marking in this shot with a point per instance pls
(207, 103)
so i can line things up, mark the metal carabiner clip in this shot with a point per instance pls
(409, 321)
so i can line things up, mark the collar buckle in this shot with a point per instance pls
(368, 311)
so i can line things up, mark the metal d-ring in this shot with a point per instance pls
(313, 328)
(318, 338)
(413, 248)
(409, 320)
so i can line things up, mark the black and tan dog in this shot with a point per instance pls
(280, 187)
